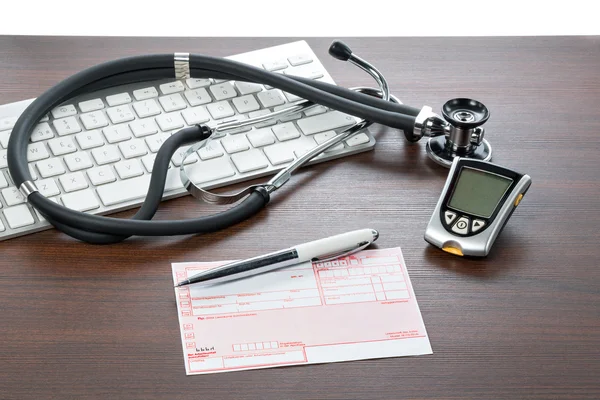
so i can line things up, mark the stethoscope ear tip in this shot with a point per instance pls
(340, 50)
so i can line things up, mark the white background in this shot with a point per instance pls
(306, 18)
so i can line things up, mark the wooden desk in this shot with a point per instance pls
(86, 322)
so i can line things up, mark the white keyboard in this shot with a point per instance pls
(95, 153)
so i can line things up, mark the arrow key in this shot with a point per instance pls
(477, 225)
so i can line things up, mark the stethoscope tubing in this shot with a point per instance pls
(101, 229)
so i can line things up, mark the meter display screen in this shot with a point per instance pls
(477, 192)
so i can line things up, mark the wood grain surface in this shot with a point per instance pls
(93, 322)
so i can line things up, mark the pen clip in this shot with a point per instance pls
(343, 253)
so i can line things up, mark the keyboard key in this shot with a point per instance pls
(197, 97)
(31, 171)
(37, 151)
(12, 196)
(133, 148)
(335, 148)
(302, 148)
(220, 110)
(2, 228)
(3, 161)
(42, 132)
(7, 123)
(93, 120)
(235, 144)
(106, 154)
(72, 182)
(91, 105)
(178, 157)
(134, 188)
(271, 98)
(172, 102)
(129, 168)
(300, 59)
(357, 140)
(315, 110)
(120, 114)
(287, 117)
(148, 162)
(306, 71)
(78, 161)
(47, 187)
(275, 65)
(170, 121)
(195, 115)
(248, 88)
(251, 160)
(146, 93)
(212, 149)
(64, 111)
(118, 99)
(50, 167)
(279, 153)
(83, 200)
(291, 97)
(223, 91)
(146, 108)
(285, 131)
(18, 216)
(210, 170)
(60, 146)
(66, 126)
(155, 141)
(101, 175)
(3, 181)
(4, 137)
(324, 136)
(194, 83)
(89, 139)
(260, 113)
(261, 137)
(172, 87)
(143, 127)
(117, 133)
(325, 122)
(246, 103)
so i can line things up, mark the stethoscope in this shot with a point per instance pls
(457, 134)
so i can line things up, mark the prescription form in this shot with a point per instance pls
(358, 307)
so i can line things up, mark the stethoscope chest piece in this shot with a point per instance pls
(463, 134)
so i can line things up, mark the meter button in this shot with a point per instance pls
(477, 225)
(449, 216)
(462, 226)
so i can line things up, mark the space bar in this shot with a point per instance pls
(134, 188)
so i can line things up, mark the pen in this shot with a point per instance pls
(316, 251)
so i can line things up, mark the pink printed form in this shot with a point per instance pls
(358, 307)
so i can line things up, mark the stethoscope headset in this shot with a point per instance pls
(458, 133)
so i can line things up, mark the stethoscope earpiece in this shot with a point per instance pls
(463, 133)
